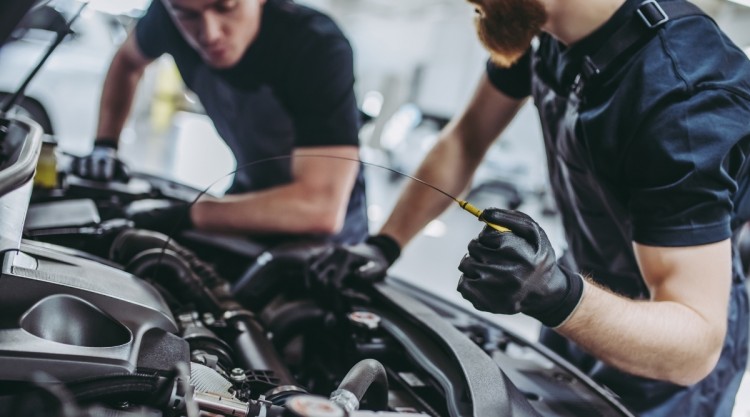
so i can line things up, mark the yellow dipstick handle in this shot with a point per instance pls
(476, 212)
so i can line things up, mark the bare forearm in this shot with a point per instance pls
(287, 209)
(452, 162)
(661, 340)
(447, 167)
(117, 98)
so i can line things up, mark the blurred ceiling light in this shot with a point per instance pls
(375, 213)
(372, 103)
(435, 228)
(398, 127)
(745, 3)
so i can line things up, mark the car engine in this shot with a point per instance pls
(100, 318)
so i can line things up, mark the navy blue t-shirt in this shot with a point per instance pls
(668, 130)
(652, 150)
(293, 88)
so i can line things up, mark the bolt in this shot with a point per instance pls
(237, 374)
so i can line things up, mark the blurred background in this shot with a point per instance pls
(416, 61)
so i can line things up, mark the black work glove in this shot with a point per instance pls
(163, 216)
(365, 262)
(517, 272)
(101, 164)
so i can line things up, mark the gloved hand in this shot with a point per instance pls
(101, 164)
(517, 272)
(160, 215)
(364, 262)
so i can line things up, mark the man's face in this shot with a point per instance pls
(506, 27)
(220, 30)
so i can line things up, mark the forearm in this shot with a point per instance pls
(449, 167)
(289, 209)
(116, 101)
(452, 162)
(655, 339)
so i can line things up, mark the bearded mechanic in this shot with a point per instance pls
(644, 110)
(276, 79)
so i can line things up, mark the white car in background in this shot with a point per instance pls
(64, 98)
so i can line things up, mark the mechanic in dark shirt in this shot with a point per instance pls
(647, 133)
(276, 79)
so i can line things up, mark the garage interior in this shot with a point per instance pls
(410, 89)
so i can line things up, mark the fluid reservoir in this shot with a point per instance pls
(46, 166)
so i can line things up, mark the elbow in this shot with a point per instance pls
(700, 364)
(327, 217)
(694, 372)
(327, 223)
(324, 208)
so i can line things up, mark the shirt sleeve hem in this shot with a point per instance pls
(683, 236)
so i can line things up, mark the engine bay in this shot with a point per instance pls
(100, 318)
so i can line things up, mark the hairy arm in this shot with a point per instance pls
(314, 202)
(676, 336)
(452, 162)
(120, 84)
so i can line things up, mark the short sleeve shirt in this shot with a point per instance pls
(652, 150)
(668, 130)
(293, 88)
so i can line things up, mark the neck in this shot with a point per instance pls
(572, 20)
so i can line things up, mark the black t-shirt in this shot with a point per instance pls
(293, 87)
(668, 129)
(653, 150)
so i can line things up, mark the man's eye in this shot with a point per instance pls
(186, 15)
(226, 6)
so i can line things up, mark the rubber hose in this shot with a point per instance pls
(180, 281)
(291, 319)
(133, 242)
(368, 377)
(251, 344)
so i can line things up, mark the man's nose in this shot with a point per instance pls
(210, 29)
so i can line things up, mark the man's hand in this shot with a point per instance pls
(364, 262)
(101, 164)
(517, 272)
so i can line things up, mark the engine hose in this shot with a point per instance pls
(366, 377)
(131, 243)
(206, 289)
(146, 387)
(176, 276)
(291, 319)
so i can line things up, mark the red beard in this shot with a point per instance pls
(506, 27)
